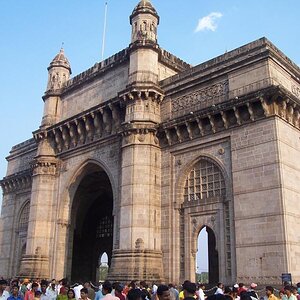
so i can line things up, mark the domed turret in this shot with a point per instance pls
(59, 71)
(144, 21)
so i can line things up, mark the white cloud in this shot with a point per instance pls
(209, 22)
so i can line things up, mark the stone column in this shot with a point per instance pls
(139, 254)
(35, 264)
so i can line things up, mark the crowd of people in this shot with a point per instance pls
(43, 290)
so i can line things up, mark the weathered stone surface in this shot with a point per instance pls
(141, 152)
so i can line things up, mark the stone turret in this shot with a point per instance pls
(59, 72)
(144, 21)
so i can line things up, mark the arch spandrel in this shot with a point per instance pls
(184, 172)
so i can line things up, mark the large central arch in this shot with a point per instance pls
(91, 223)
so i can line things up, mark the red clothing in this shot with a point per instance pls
(29, 295)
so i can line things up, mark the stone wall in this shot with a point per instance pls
(289, 153)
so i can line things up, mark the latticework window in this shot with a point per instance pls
(204, 181)
(105, 228)
(24, 217)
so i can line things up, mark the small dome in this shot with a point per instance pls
(144, 7)
(60, 61)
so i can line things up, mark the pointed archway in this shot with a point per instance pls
(91, 230)
(207, 258)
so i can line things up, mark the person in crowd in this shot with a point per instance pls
(23, 288)
(270, 293)
(288, 295)
(134, 294)
(44, 285)
(52, 290)
(189, 290)
(251, 290)
(281, 294)
(77, 290)
(241, 288)
(119, 292)
(144, 288)
(91, 291)
(37, 295)
(14, 293)
(98, 294)
(62, 294)
(30, 295)
(106, 291)
(298, 287)
(295, 292)
(163, 292)
(201, 288)
(220, 289)
(71, 294)
(173, 292)
(84, 294)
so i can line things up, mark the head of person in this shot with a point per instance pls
(189, 289)
(3, 284)
(220, 285)
(269, 290)
(63, 291)
(143, 284)
(25, 281)
(288, 290)
(87, 285)
(15, 290)
(106, 287)
(241, 285)
(281, 293)
(37, 294)
(201, 286)
(227, 290)
(163, 292)
(253, 286)
(134, 294)
(84, 293)
(35, 286)
(118, 289)
(44, 285)
(71, 294)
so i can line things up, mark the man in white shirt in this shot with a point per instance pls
(77, 290)
(3, 293)
(220, 289)
(201, 291)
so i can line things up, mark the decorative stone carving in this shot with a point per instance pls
(201, 98)
(44, 166)
(16, 182)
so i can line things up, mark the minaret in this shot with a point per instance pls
(139, 254)
(59, 72)
(35, 263)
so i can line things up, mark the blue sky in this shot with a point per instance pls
(32, 31)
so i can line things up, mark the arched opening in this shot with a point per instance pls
(91, 224)
(103, 267)
(207, 258)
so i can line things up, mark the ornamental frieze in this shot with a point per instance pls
(296, 90)
(201, 98)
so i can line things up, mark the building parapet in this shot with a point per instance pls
(224, 61)
(173, 61)
(96, 70)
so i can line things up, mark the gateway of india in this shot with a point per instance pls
(138, 154)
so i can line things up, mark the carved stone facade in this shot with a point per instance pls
(139, 153)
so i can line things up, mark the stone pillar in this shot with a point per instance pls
(139, 255)
(35, 263)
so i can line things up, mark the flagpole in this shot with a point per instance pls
(104, 31)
